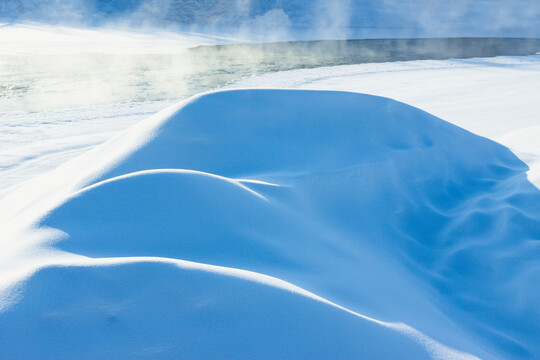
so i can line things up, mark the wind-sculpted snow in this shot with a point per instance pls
(279, 224)
(165, 309)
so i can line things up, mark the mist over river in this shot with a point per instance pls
(57, 102)
(35, 81)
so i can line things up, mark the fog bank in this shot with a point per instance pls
(272, 20)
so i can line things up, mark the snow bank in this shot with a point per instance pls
(373, 209)
(492, 97)
(42, 40)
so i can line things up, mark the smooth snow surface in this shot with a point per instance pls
(276, 224)
(492, 97)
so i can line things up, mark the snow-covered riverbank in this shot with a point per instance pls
(493, 97)
(279, 223)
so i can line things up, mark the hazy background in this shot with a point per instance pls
(57, 54)
(287, 19)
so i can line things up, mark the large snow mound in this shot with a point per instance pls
(373, 209)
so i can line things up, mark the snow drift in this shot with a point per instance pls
(278, 223)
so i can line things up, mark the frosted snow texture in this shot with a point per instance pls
(404, 236)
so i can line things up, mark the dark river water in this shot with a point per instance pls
(31, 82)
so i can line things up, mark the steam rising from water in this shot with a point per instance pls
(273, 20)
(46, 67)
(164, 69)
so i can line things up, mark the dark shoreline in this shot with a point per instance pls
(359, 51)
(222, 64)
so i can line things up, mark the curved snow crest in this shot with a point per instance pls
(364, 201)
(249, 284)
(178, 171)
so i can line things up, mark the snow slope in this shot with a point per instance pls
(276, 223)
(193, 311)
(492, 97)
